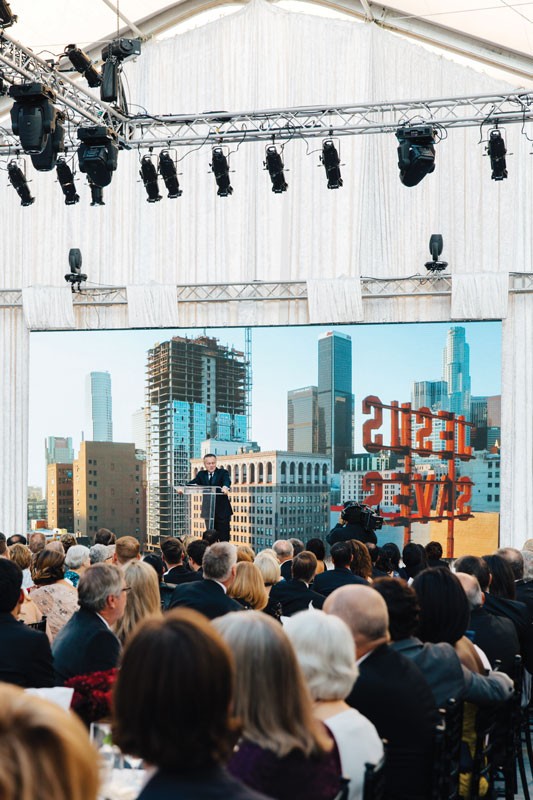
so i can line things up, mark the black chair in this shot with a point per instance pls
(38, 626)
(484, 760)
(166, 590)
(447, 751)
(374, 783)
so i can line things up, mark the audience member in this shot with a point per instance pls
(341, 574)
(528, 545)
(390, 691)
(55, 597)
(17, 538)
(157, 564)
(25, 656)
(21, 555)
(283, 751)
(297, 546)
(210, 536)
(142, 598)
(318, 547)
(87, 644)
(284, 553)
(381, 566)
(173, 555)
(180, 723)
(45, 752)
(77, 560)
(195, 555)
(248, 587)
(245, 553)
(330, 671)
(4, 551)
(414, 559)
(361, 563)
(350, 526)
(393, 552)
(105, 536)
(37, 542)
(434, 555)
(268, 566)
(209, 596)
(98, 553)
(127, 549)
(68, 540)
(295, 594)
(523, 589)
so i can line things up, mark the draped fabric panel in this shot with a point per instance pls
(48, 308)
(480, 295)
(152, 306)
(338, 300)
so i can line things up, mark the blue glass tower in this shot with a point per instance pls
(99, 405)
(456, 371)
(335, 398)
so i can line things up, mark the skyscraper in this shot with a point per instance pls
(456, 371)
(302, 420)
(335, 398)
(195, 390)
(99, 407)
(430, 394)
(58, 450)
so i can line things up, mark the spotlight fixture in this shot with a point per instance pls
(167, 170)
(98, 153)
(220, 167)
(33, 117)
(435, 248)
(274, 164)
(496, 149)
(66, 180)
(19, 183)
(47, 160)
(114, 55)
(97, 195)
(83, 64)
(416, 153)
(148, 173)
(75, 276)
(330, 159)
(7, 18)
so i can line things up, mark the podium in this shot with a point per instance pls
(200, 502)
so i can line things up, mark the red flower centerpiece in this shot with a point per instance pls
(92, 695)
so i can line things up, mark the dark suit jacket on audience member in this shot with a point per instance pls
(286, 569)
(25, 655)
(206, 596)
(84, 645)
(294, 596)
(518, 613)
(332, 579)
(181, 574)
(524, 594)
(497, 637)
(200, 784)
(342, 533)
(394, 695)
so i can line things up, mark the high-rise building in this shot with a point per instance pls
(109, 490)
(99, 407)
(456, 371)
(302, 420)
(195, 391)
(60, 496)
(58, 450)
(138, 429)
(430, 394)
(335, 398)
(485, 413)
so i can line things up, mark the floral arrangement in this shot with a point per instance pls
(92, 695)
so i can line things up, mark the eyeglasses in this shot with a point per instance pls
(126, 589)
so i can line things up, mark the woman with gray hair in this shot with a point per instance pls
(77, 560)
(331, 671)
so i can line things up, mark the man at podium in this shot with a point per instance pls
(219, 477)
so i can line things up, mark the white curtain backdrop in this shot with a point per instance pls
(480, 295)
(338, 299)
(48, 308)
(152, 306)
(263, 57)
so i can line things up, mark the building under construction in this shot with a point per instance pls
(195, 390)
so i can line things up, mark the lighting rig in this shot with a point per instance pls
(33, 116)
(274, 164)
(167, 170)
(114, 55)
(497, 150)
(7, 18)
(331, 161)
(98, 153)
(435, 248)
(220, 167)
(66, 181)
(83, 64)
(416, 153)
(148, 173)
(19, 183)
(75, 276)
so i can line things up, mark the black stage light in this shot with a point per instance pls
(66, 180)
(435, 248)
(83, 64)
(97, 195)
(148, 173)
(98, 153)
(75, 276)
(33, 117)
(330, 159)
(46, 161)
(7, 18)
(496, 149)
(220, 167)
(416, 153)
(114, 55)
(3, 88)
(274, 164)
(20, 184)
(167, 169)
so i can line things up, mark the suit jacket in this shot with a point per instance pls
(221, 478)
(181, 574)
(524, 594)
(84, 645)
(332, 579)
(393, 694)
(286, 569)
(497, 637)
(202, 784)
(294, 596)
(342, 533)
(206, 596)
(25, 655)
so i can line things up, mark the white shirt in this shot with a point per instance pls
(358, 743)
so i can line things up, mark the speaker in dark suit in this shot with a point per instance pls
(25, 655)
(218, 477)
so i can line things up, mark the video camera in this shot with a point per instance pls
(355, 513)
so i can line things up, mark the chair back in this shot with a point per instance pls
(374, 783)
(166, 591)
(38, 626)
(447, 751)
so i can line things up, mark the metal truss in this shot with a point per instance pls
(371, 288)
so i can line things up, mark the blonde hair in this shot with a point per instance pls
(248, 586)
(21, 555)
(45, 752)
(268, 565)
(245, 553)
(271, 697)
(142, 599)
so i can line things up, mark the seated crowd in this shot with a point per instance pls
(281, 674)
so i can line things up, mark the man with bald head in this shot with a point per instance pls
(390, 691)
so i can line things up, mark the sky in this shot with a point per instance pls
(386, 361)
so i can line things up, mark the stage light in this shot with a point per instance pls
(330, 159)
(114, 55)
(47, 160)
(97, 195)
(7, 18)
(435, 248)
(83, 64)
(33, 117)
(496, 149)
(167, 169)
(220, 166)
(19, 183)
(75, 276)
(274, 164)
(148, 173)
(66, 180)
(416, 153)
(98, 153)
